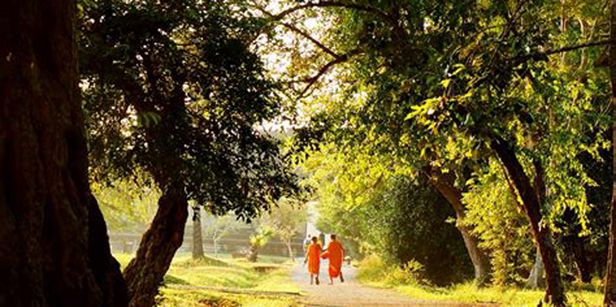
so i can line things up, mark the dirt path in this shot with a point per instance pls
(351, 293)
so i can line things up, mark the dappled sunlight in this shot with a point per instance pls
(307, 153)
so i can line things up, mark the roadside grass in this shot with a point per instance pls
(225, 282)
(374, 273)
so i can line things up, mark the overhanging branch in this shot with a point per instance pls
(543, 54)
(340, 59)
(299, 31)
(341, 4)
(311, 39)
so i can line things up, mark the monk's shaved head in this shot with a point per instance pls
(314, 239)
(333, 236)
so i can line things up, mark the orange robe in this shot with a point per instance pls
(335, 254)
(314, 258)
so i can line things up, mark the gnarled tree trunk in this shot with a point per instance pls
(532, 203)
(480, 259)
(158, 246)
(54, 250)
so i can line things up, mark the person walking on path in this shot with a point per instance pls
(313, 257)
(335, 254)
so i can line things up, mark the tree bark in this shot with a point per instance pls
(197, 246)
(158, 246)
(55, 250)
(610, 282)
(583, 266)
(480, 259)
(531, 201)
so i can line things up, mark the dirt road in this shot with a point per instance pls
(351, 293)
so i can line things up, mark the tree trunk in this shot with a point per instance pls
(583, 266)
(479, 258)
(536, 279)
(253, 253)
(197, 246)
(158, 246)
(555, 293)
(610, 282)
(290, 250)
(55, 250)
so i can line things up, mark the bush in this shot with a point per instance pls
(412, 218)
(409, 273)
(499, 222)
(373, 268)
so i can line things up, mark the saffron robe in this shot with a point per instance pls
(335, 253)
(314, 258)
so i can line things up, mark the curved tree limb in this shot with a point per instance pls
(543, 54)
(340, 59)
(341, 4)
(299, 31)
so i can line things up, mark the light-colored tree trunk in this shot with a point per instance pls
(480, 259)
(290, 250)
(536, 279)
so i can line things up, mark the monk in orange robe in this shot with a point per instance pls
(313, 257)
(335, 253)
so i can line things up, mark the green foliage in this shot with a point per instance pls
(286, 219)
(175, 90)
(374, 268)
(498, 220)
(262, 236)
(387, 212)
(257, 240)
(128, 206)
(434, 83)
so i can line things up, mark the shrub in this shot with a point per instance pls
(374, 268)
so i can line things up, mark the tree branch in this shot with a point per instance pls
(340, 59)
(341, 4)
(312, 39)
(543, 54)
(299, 31)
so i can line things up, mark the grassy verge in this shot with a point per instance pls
(374, 273)
(225, 282)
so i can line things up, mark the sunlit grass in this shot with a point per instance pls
(375, 273)
(259, 280)
(507, 297)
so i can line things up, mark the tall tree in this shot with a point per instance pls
(175, 90)
(473, 79)
(55, 250)
(610, 279)
(375, 119)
